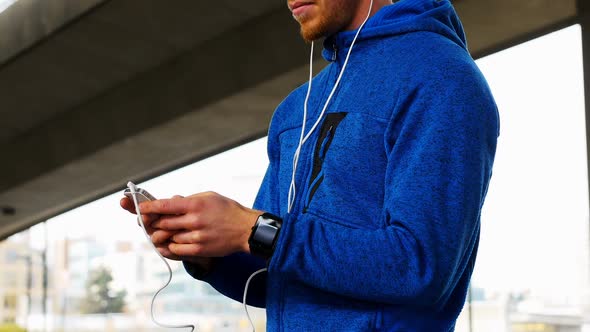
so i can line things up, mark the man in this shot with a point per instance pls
(376, 210)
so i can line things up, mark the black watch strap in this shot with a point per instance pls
(264, 235)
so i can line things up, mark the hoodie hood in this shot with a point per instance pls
(404, 16)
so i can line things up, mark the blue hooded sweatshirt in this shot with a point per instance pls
(385, 227)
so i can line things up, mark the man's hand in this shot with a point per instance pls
(161, 238)
(201, 225)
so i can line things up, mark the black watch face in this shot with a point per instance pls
(263, 237)
(271, 219)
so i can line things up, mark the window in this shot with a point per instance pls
(11, 256)
(10, 302)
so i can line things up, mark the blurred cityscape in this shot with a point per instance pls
(529, 310)
(49, 290)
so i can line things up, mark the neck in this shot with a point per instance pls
(363, 8)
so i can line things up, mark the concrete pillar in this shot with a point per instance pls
(584, 20)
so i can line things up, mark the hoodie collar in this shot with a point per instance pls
(404, 16)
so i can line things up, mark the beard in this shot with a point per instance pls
(328, 18)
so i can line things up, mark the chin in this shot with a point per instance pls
(310, 32)
(308, 37)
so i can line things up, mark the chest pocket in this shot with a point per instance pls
(323, 143)
(345, 184)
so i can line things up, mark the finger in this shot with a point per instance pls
(127, 204)
(164, 251)
(186, 249)
(194, 237)
(165, 206)
(160, 236)
(148, 220)
(177, 223)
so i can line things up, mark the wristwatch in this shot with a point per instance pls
(264, 235)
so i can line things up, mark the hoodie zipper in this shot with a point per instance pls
(335, 52)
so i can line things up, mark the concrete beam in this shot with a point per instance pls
(210, 130)
(27, 22)
(492, 26)
(213, 99)
(584, 20)
(232, 62)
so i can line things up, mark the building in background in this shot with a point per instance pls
(21, 280)
(134, 267)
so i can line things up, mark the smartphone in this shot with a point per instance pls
(142, 195)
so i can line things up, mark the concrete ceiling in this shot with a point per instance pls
(94, 93)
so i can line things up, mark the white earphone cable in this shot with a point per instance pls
(292, 188)
(291, 196)
(133, 190)
(246, 293)
(303, 139)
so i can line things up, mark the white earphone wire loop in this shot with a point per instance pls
(339, 76)
(134, 193)
(246, 293)
(292, 187)
(291, 196)
(303, 138)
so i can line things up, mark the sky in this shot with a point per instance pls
(535, 219)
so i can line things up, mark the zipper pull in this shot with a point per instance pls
(327, 138)
(335, 52)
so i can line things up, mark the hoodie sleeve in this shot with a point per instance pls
(229, 274)
(440, 144)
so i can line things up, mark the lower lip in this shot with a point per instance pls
(301, 10)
